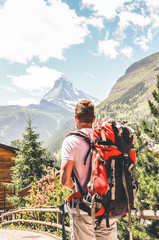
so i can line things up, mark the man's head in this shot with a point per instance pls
(84, 113)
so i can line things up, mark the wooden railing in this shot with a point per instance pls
(146, 214)
(16, 216)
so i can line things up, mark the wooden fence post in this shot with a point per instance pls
(13, 216)
(58, 219)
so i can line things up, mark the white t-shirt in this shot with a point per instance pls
(75, 148)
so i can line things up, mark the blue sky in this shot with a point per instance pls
(92, 42)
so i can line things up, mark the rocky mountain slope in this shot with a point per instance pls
(128, 97)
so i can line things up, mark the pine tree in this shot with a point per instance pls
(148, 164)
(152, 128)
(15, 143)
(30, 162)
(154, 108)
(140, 142)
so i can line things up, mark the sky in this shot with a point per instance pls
(92, 42)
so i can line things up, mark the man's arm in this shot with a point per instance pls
(66, 171)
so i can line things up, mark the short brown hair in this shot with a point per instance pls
(84, 111)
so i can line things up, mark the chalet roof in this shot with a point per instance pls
(25, 190)
(9, 148)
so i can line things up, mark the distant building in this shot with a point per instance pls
(6, 162)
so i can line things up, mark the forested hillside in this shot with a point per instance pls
(13, 122)
(129, 97)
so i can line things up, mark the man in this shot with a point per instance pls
(74, 150)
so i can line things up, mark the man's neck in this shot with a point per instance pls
(84, 125)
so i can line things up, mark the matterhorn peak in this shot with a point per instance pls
(64, 94)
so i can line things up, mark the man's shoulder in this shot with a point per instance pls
(82, 133)
(70, 139)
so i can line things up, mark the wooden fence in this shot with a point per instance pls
(16, 216)
(146, 214)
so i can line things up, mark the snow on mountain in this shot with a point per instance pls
(65, 95)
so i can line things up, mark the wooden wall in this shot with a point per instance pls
(6, 155)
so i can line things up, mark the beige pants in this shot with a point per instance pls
(84, 230)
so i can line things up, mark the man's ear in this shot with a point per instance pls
(94, 118)
(76, 118)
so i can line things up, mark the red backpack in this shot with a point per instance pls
(112, 187)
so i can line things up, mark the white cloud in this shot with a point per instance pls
(132, 19)
(104, 8)
(127, 51)
(143, 41)
(23, 101)
(96, 22)
(108, 47)
(31, 28)
(155, 21)
(36, 78)
(153, 4)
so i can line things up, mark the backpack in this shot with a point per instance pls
(112, 186)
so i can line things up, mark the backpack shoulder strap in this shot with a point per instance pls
(74, 177)
(86, 137)
(81, 134)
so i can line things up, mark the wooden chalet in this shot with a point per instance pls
(6, 162)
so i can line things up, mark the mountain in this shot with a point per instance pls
(13, 122)
(54, 110)
(65, 95)
(128, 99)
